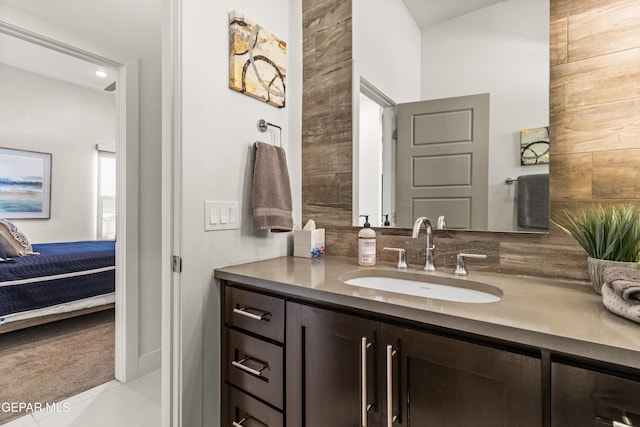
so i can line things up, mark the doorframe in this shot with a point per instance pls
(126, 118)
(171, 366)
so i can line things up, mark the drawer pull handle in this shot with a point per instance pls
(390, 417)
(243, 311)
(240, 365)
(363, 386)
(239, 423)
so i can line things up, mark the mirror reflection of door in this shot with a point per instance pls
(376, 156)
(429, 50)
(443, 158)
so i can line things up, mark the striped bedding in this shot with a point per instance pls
(60, 275)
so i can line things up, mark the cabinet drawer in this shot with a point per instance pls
(254, 312)
(243, 410)
(589, 398)
(255, 366)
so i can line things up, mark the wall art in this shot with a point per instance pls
(25, 184)
(257, 61)
(534, 146)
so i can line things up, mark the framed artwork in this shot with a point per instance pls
(25, 184)
(534, 146)
(257, 61)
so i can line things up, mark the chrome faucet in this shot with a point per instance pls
(461, 265)
(430, 246)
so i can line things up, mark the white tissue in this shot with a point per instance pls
(310, 225)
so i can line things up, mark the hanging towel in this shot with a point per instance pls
(621, 292)
(533, 201)
(271, 195)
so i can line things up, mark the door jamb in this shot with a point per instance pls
(127, 286)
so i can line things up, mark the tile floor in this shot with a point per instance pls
(135, 404)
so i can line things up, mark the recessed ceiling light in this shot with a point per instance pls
(101, 73)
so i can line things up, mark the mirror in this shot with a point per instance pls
(499, 48)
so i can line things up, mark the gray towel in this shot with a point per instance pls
(271, 194)
(621, 292)
(533, 201)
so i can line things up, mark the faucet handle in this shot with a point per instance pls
(402, 258)
(461, 265)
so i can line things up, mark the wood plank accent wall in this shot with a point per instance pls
(595, 134)
(326, 111)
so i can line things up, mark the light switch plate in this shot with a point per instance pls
(221, 215)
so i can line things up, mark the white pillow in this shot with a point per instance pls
(13, 241)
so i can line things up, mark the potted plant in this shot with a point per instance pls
(609, 235)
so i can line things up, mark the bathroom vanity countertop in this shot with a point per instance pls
(557, 316)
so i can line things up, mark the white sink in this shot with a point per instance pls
(442, 288)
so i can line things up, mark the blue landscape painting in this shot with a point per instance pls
(24, 184)
(22, 194)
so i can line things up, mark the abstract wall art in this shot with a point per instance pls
(25, 184)
(534, 146)
(257, 61)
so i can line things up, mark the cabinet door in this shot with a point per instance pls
(327, 354)
(588, 398)
(439, 381)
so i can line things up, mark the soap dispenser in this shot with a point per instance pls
(367, 244)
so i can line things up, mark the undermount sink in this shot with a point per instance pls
(422, 285)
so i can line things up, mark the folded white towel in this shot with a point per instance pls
(621, 292)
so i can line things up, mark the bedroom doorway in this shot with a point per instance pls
(125, 146)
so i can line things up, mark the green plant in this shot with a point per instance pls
(611, 233)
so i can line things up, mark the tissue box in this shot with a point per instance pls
(308, 243)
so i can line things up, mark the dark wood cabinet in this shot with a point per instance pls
(291, 363)
(327, 354)
(349, 371)
(581, 396)
(442, 381)
(241, 409)
(252, 359)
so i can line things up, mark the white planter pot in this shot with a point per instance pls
(596, 269)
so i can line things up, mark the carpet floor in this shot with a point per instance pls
(51, 362)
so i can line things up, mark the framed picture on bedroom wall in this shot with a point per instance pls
(25, 184)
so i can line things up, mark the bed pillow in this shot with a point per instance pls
(3, 254)
(13, 241)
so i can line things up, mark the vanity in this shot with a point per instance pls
(301, 347)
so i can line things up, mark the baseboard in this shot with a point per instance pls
(149, 362)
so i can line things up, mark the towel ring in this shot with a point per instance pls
(263, 125)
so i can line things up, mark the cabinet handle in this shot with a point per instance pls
(243, 312)
(239, 423)
(390, 417)
(364, 388)
(240, 365)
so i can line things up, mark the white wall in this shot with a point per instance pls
(386, 48)
(120, 30)
(218, 132)
(501, 51)
(38, 113)
(386, 53)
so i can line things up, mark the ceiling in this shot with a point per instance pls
(32, 57)
(37, 59)
(430, 12)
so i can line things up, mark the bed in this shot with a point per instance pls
(63, 280)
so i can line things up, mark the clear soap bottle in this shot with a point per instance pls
(367, 244)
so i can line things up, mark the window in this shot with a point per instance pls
(106, 220)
